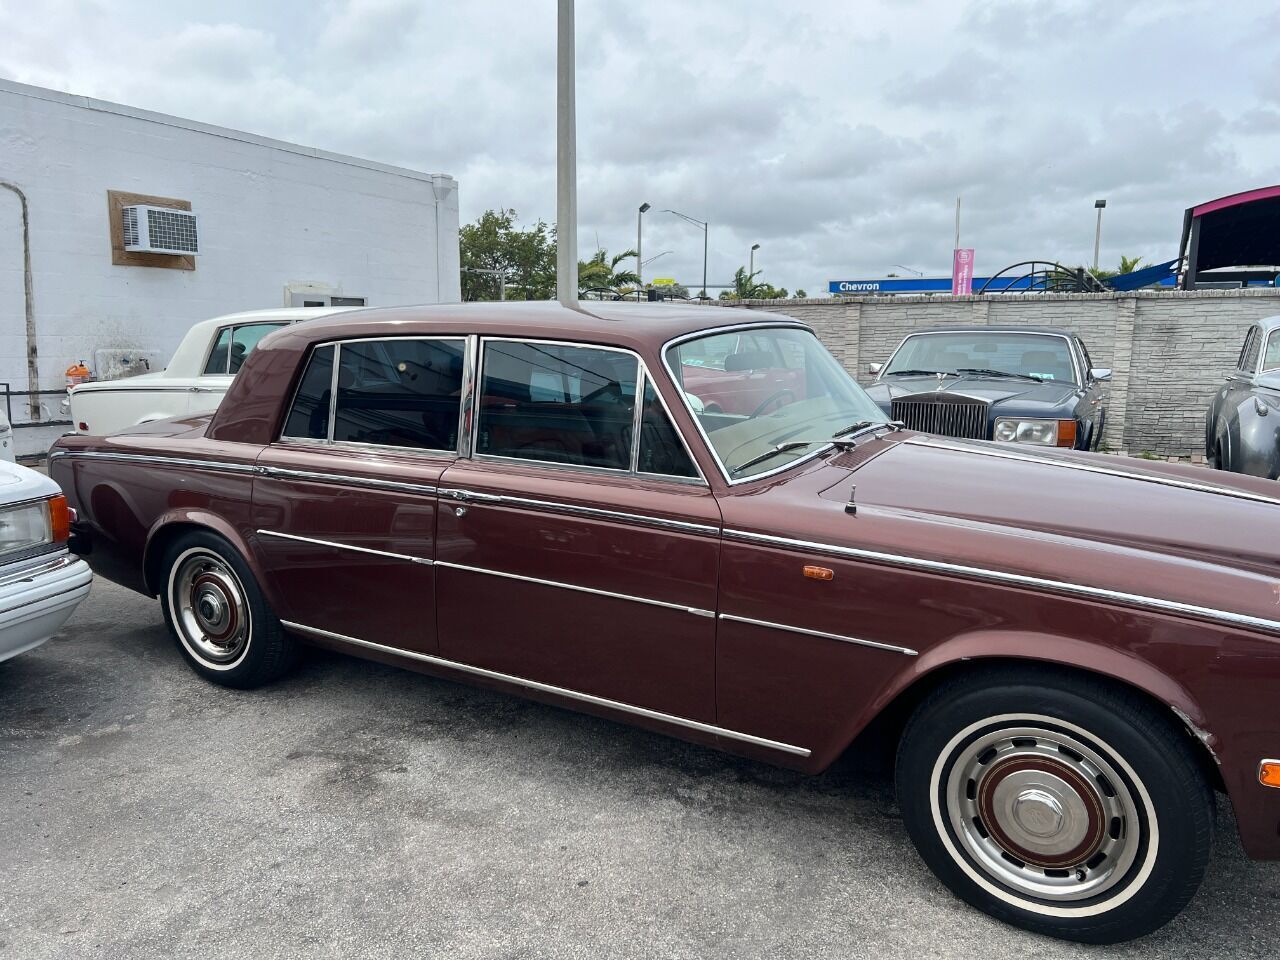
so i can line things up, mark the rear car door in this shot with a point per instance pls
(578, 546)
(345, 501)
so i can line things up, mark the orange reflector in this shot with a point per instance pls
(84, 427)
(59, 519)
(1066, 433)
(1269, 773)
(819, 573)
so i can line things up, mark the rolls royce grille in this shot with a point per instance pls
(949, 418)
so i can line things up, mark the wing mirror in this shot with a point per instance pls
(1102, 374)
(874, 368)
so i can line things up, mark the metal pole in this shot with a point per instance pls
(644, 207)
(566, 161)
(28, 304)
(705, 229)
(956, 246)
(751, 262)
(1097, 236)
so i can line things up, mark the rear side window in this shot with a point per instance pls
(557, 404)
(309, 416)
(1249, 355)
(234, 344)
(661, 451)
(399, 393)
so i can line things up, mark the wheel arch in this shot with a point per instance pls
(178, 523)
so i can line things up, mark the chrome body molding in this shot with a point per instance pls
(155, 460)
(375, 483)
(684, 526)
(695, 611)
(315, 541)
(589, 698)
(992, 450)
(1012, 579)
(892, 648)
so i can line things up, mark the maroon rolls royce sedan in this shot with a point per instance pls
(1071, 654)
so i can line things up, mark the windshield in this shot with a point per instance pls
(1041, 356)
(755, 390)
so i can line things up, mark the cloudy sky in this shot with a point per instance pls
(836, 134)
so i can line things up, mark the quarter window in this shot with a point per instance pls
(399, 393)
(309, 416)
(1249, 355)
(557, 403)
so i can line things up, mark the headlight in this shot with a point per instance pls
(28, 526)
(1049, 433)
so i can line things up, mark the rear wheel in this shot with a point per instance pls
(1056, 803)
(218, 615)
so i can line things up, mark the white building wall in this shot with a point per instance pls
(271, 214)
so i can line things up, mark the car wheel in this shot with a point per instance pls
(219, 617)
(1055, 803)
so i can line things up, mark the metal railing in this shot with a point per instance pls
(10, 393)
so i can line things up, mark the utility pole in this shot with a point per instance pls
(566, 160)
(751, 261)
(1097, 235)
(644, 208)
(956, 245)
(705, 229)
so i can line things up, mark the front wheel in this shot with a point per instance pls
(1056, 803)
(216, 612)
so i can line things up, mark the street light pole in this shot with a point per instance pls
(644, 208)
(566, 161)
(751, 261)
(705, 231)
(1097, 236)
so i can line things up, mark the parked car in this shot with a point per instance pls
(1032, 385)
(41, 582)
(1242, 430)
(196, 379)
(1068, 652)
(8, 451)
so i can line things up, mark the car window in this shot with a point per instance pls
(217, 362)
(309, 416)
(1029, 354)
(233, 344)
(557, 403)
(1249, 355)
(1084, 353)
(1271, 357)
(661, 451)
(399, 393)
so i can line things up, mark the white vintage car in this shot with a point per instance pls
(196, 379)
(41, 582)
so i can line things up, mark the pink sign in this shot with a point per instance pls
(962, 273)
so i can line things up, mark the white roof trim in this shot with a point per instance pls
(105, 106)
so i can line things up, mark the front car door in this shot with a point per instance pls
(345, 501)
(578, 546)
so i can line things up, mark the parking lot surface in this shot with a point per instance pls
(358, 810)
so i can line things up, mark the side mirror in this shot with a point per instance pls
(874, 368)
(1102, 374)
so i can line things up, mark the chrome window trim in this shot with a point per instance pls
(225, 466)
(706, 440)
(467, 396)
(316, 541)
(637, 415)
(1075, 360)
(642, 374)
(287, 473)
(892, 648)
(541, 687)
(577, 588)
(293, 399)
(595, 513)
(1003, 577)
(1006, 453)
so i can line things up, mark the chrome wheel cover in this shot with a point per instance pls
(1044, 815)
(209, 608)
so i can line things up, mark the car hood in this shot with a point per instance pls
(994, 390)
(1129, 526)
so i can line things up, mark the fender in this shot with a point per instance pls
(200, 517)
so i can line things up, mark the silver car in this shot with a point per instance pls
(1242, 431)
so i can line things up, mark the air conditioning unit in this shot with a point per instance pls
(159, 230)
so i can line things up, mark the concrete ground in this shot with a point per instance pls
(357, 810)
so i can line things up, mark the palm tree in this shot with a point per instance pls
(1129, 264)
(744, 286)
(601, 271)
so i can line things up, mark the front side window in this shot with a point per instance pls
(234, 344)
(661, 451)
(767, 397)
(557, 403)
(1026, 355)
(399, 393)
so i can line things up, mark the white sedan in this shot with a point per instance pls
(41, 582)
(195, 381)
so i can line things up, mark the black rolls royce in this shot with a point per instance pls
(1032, 385)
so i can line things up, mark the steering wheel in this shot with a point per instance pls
(771, 399)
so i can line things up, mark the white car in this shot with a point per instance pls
(196, 379)
(41, 582)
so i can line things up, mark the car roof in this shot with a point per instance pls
(998, 328)
(634, 325)
(1269, 323)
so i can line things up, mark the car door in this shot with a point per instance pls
(1232, 397)
(346, 499)
(578, 545)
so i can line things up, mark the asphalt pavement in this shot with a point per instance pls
(357, 810)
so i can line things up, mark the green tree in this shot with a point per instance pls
(601, 271)
(800, 294)
(525, 259)
(1128, 264)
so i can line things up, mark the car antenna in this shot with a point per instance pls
(852, 505)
